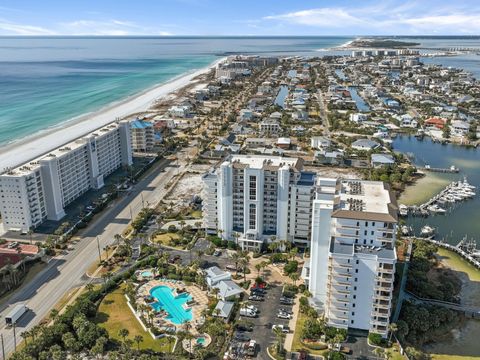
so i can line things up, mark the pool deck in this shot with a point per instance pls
(199, 296)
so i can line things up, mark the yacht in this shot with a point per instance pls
(427, 231)
(403, 210)
(436, 209)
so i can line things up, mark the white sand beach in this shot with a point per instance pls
(23, 150)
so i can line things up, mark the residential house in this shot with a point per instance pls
(214, 275)
(365, 144)
(380, 160)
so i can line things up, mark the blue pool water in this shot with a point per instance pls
(201, 340)
(146, 273)
(171, 304)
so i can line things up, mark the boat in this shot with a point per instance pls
(436, 209)
(427, 231)
(406, 230)
(403, 210)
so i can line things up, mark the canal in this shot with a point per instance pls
(361, 104)
(461, 218)
(281, 96)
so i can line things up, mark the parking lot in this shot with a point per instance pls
(267, 316)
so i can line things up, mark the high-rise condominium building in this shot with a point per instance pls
(349, 226)
(352, 262)
(143, 135)
(256, 200)
(42, 188)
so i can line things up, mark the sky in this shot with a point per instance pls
(246, 17)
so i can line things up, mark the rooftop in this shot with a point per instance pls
(262, 162)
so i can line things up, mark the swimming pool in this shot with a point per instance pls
(146, 273)
(173, 305)
(201, 341)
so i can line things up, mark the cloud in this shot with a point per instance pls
(108, 28)
(388, 18)
(112, 27)
(9, 28)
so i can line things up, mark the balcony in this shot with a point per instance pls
(382, 297)
(378, 322)
(338, 315)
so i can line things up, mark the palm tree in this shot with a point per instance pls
(294, 277)
(393, 328)
(244, 261)
(215, 292)
(258, 267)
(123, 333)
(236, 259)
(24, 336)
(53, 314)
(117, 238)
(138, 339)
(280, 336)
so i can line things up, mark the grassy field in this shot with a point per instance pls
(165, 239)
(297, 343)
(457, 263)
(452, 357)
(114, 314)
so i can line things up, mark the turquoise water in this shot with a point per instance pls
(146, 273)
(45, 81)
(201, 341)
(171, 304)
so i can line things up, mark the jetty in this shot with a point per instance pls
(452, 169)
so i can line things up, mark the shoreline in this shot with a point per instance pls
(27, 148)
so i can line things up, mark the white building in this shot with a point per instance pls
(143, 135)
(358, 117)
(42, 188)
(320, 142)
(270, 126)
(256, 199)
(352, 261)
(460, 128)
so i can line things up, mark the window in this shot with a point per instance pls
(354, 296)
(356, 279)
(356, 271)
(352, 321)
(253, 187)
(252, 216)
(353, 314)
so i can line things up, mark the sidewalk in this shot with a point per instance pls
(292, 323)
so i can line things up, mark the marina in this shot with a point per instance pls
(459, 219)
(440, 204)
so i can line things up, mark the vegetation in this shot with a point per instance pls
(426, 279)
(115, 316)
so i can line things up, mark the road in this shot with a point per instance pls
(67, 271)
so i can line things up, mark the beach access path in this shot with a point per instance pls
(65, 272)
(19, 152)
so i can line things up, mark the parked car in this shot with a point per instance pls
(286, 311)
(256, 298)
(217, 253)
(244, 326)
(241, 336)
(247, 312)
(286, 301)
(285, 329)
(257, 291)
(282, 315)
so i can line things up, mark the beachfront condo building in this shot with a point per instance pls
(352, 262)
(143, 135)
(42, 188)
(255, 200)
(348, 225)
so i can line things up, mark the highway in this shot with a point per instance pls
(67, 271)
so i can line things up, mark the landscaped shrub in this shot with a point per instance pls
(375, 339)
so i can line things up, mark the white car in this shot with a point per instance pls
(285, 329)
(283, 315)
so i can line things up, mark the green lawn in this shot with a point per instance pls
(197, 214)
(165, 239)
(457, 263)
(452, 357)
(297, 343)
(114, 314)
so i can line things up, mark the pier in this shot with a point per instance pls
(452, 169)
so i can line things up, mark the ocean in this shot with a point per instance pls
(46, 81)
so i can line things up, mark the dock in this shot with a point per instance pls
(453, 192)
(452, 169)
